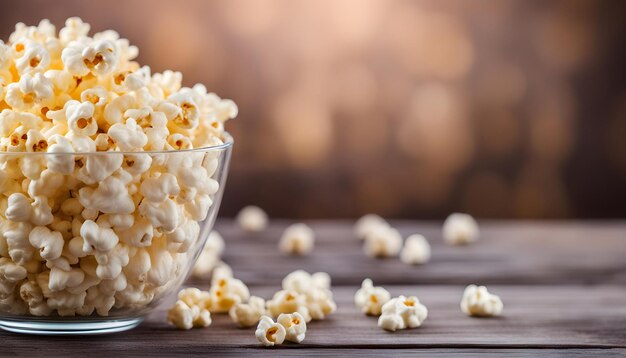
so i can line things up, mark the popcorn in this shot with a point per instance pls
(49, 243)
(460, 229)
(18, 208)
(128, 136)
(479, 302)
(110, 197)
(138, 266)
(162, 265)
(84, 233)
(61, 279)
(416, 250)
(110, 263)
(195, 297)
(81, 57)
(295, 326)
(383, 241)
(270, 333)
(286, 301)
(210, 255)
(160, 188)
(10, 271)
(401, 313)
(221, 270)
(367, 224)
(316, 291)
(62, 164)
(80, 118)
(297, 239)
(19, 248)
(164, 216)
(34, 59)
(42, 213)
(185, 317)
(252, 218)
(138, 234)
(248, 314)
(189, 115)
(371, 299)
(31, 293)
(29, 91)
(74, 29)
(226, 292)
(96, 238)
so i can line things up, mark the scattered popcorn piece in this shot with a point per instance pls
(270, 333)
(210, 256)
(285, 301)
(367, 224)
(401, 313)
(221, 270)
(226, 292)
(252, 218)
(479, 302)
(295, 326)
(416, 250)
(315, 288)
(460, 229)
(383, 241)
(297, 239)
(371, 299)
(185, 317)
(248, 314)
(195, 297)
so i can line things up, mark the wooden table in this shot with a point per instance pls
(563, 285)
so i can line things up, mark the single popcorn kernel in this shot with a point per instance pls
(371, 299)
(297, 239)
(295, 326)
(383, 241)
(270, 333)
(479, 302)
(416, 250)
(367, 224)
(248, 314)
(460, 229)
(252, 218)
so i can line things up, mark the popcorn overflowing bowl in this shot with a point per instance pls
(110, 180)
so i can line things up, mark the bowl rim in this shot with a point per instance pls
(226, 137)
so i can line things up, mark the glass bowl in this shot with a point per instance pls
(92, 242)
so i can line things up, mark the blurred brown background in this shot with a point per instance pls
(409, 109)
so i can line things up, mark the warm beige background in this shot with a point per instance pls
(405, 108)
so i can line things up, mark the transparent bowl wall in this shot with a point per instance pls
(171, 254)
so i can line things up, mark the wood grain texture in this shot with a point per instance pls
(562, 287)
(507, 253)
(536, 317)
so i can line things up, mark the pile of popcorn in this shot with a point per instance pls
(304, 297)
(87, 232)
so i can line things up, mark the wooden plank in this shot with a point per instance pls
(507, 253)
(562, 286)
(535, 317)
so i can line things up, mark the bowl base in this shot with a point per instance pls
(63, 328)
